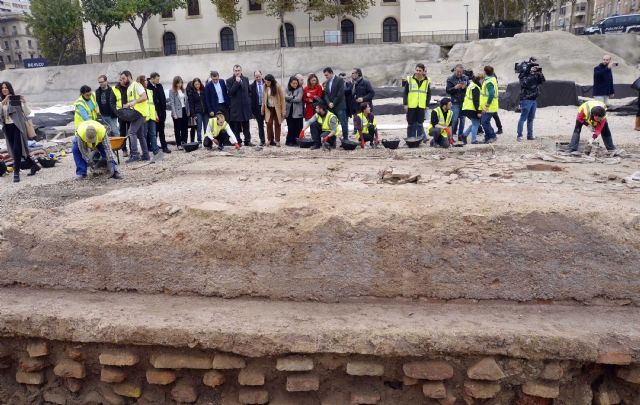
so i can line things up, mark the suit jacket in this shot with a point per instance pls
(239, 99)
(159, 98)
(255, 105)
(278, 101)
(211, 96)
(336, 95)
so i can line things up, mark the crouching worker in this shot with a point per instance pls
(219, 133)
(439, 127)
(366, 126)
(592, 114)
(325, 127)
(91, 138)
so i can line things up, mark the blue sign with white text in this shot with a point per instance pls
(35, 63)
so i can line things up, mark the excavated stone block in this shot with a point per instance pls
(481, 390)
(31, 364)
(75, 353)
(213, 378)
(184, 392)
(36, 378)
(251, 377)
(160, 377)
(112, 375)
(434, 370)
(73, 384)
(128, 389)
(486, 369)
(118, 357)
(365, 368)
(55, 396)
(37, 349)
(614, 358)
(434, 389)
(179, 361)
(303, 382)
(552, 371)
(541, 389)
(228, 362)
(70, 369)
(294, 363)
(253, 396)
(631, 375)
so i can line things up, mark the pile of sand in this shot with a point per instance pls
(563, 56)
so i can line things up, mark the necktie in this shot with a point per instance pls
(259, 92)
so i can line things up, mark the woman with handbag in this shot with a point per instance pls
(14, 118)
(273, 109)
(294, 107)
(179, 107)
(195, 95)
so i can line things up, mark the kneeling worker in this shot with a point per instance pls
(366, 126)
(439, 127)
(219, 133)
(592, 114)
(91, 137)
(325, 127)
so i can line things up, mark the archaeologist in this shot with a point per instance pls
(456, 88)
(152, 120)
(366, 126)
(120, 91)
(603, 80)
(137, 96)
(592, 114)
(530, 80)
(219, 133)
(85, 107)
(439, 127)
(91, 138)
(325, 127)
(471, 108)
(416, 98)
(489, 103)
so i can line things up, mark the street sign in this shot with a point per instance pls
(35, 63)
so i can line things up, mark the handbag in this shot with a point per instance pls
(128, 114)
(31, 131)
(193, 122)
(636, 84)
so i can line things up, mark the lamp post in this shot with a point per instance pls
(309, 29)
(466, 31)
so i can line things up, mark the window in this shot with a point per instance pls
(291, 38)
(227, 42)
(9, 58)
(6, 45)
(390, 30)
(1, 59)
(255, 5)
(20, 57)
(14, 30)
(169, 43)
(29, 44)
(167, 14)
(4, 30)
(17, 44)
(347, 32)
(193, 7)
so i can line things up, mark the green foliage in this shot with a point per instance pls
(57, 24)
(228, 11)
(322, 9)
(102, 15)
(138, 12)
(278, 8)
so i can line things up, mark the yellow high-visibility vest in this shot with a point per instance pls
(443, 120)
(132, 95)
(118, 93)
(82, 103)
(467, 105)
(81, 131)
(152, 116)
(215, 129)
(365, 125)
(324, 122)
(417, 97)
(484, 94)
(586, 108)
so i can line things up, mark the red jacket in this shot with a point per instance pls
(598, 128)
(309, 96)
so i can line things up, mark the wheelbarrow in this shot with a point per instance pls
(117, 143)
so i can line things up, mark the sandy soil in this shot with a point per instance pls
(483, 223)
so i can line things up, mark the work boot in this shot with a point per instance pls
(637, 128)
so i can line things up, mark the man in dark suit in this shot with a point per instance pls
(257, 88)
(215, 96)
(239, 104)
(160, 103)
(335, 99)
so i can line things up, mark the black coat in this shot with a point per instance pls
(256, 106)
(239, 99)
(530, 85)
(196, 101)
(336, 96)
(108, 108)
(159, 98)
(361, 88)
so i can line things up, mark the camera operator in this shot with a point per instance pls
(457, 88)
(531, 78)
(603, 80)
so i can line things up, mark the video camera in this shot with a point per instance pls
(528, 66)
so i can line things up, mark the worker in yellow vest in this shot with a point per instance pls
(439, 127)
(366, 126)
(489, 103)
(137, 96)
(592, 114)
(219, 133)
(416, 98)
(120, 90)
(86, 107)
(325, 127)
(91, 138)
(152, 118)
(471, 108)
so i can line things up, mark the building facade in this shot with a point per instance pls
(585, 13)
(198, 29)
(607, 8)
(16, 41)
(15, 6)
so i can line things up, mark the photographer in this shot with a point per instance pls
(603, 80)
(531, 78)
(457, 88)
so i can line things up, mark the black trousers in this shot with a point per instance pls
(415, 120)
(496, 118)
(438, 139)
(242, 126)
(317, 135)
(260, 122)
(180, 128)
(124, 130)
(160, 129)
(223, 140)
(14, 142)
(605, 134)
(294, 126)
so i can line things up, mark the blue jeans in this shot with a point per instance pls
(455, 116)
(527, 114)
(344, 122)
(152, 139)
(81, 164)
(112, 123)
(201, 122)
(473, 129)
(485, 121)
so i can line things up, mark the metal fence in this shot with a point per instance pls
(443, 38)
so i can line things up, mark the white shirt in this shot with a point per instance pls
(139, 90)
(218, 88)
(182, 98)
(232, 137)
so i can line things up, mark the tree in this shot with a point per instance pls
(278, 8)
(138, 12)
(57, 25)
(338, 8)
(102, 15)
(229, 12)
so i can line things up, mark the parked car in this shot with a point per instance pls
(594, 29)
(620, 23)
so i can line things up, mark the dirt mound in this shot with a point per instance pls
(563, 56)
